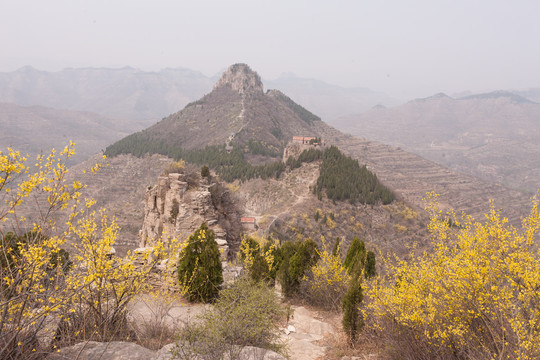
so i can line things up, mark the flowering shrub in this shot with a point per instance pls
(100, 286)
(88, 292)
(260, 257)
(327, 281)
(476, 295)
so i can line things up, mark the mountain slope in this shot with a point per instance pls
(239, 105)
(236, 112)
(327, 100)
(493, 136)
(36, 129)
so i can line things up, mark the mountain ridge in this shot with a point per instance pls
(492, 136)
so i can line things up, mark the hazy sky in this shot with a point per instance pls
(404, 48)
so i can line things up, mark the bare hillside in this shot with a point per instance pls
(493, 136)
(36, 129)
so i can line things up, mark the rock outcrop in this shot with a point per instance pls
(174, 210)
(121, 350)
(92, 350)
(241, 78)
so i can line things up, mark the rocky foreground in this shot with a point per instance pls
(306, 336)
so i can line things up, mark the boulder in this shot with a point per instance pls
(93, 350)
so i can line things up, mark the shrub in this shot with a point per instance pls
(174, 167)
(39, 281)
(30, 283)
(327, 281)
(476, 295)
(13, 250)
(260, 257)
(199, 267)
(101, 286)
(245, 314)
(175, 209)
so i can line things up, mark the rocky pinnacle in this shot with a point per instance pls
(241, 78)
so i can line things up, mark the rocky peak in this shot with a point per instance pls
(241, 78)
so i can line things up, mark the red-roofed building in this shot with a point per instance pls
(248, 223)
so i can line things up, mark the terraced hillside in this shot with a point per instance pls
(411, 177)
(492, 136)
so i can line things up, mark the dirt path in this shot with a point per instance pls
(307, 332)
(302, 336)
(299, 198)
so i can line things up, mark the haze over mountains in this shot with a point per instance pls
(493, 136)
(267, 116)
(139, 95)
(36, 129)
(237, 111)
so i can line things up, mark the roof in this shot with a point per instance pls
(250, 220)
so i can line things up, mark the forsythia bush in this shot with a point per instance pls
(476, 295)
(260, 257)
(48, 298)
(327, 281)
(100, 286)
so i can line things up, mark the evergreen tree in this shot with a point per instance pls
(199, 268)
(298, 257)
(369, 269)
(353, 321)
(205, 171)
(356, 253)
(336, 251)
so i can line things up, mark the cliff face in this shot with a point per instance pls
(174, 210)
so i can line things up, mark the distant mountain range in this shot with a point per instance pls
(494, 136)
(36, 129)
(125, 93)
(270, 118)
(139, 95)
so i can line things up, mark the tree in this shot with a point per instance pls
(298, 257)
(336, 250)
(369, 268)
(260, 257)
(353, 321)
(199, 268)
(355, 254)
(205, 171)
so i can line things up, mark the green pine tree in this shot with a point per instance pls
(199, 268)
(353, 321)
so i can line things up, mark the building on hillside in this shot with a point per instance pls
(249, 223)
(308, 140)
